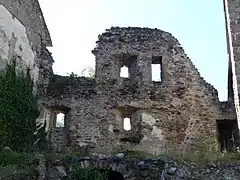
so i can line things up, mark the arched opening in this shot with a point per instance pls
(124, 72)
(58, 116)
(114, 175)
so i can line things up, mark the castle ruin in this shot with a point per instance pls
(179, 111)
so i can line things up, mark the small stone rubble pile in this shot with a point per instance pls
(61, 167)
(136, 168)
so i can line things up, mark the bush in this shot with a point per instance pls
(18, 110)
(8, 157)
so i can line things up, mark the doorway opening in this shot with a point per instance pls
(228, 134)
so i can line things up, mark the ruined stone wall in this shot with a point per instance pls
(232, 16)
(29, 13)
(178, 112)
(24, 35)
(172, 113)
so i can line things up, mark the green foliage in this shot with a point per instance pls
(86, 174)
(18, 109)
(14, 165)
(207, 151)
(202, 158)
(8, 157)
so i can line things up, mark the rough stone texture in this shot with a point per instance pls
(131, 169)
(211, 171)
(178, 112)
(24, 34)
(148, 168)
(55, 167)
(29, 13)
(228, 110)
(232, 17)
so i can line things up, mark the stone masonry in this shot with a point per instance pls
(232, 17)
(24, 35)
(180, 111)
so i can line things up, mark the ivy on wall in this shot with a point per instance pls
(18, 111)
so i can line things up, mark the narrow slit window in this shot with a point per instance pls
(127, 124)
(157, 69)
(156, 72)
(124, 72)
(60, 120)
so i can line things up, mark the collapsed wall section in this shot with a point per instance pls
(181, 108)
(179, 111)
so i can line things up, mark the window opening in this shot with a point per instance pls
(127, 124)
(156, 69)
(156, 72)
(60, 120)
(124, 72)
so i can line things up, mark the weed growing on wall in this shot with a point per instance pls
(18, 110)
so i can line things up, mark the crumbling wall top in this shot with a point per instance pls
(135, 38)
(71, 86)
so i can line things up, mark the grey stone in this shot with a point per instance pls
(172, 170)
(180, 173)
(165, 115)
(120, 155)
(61, 170)
(7, 148)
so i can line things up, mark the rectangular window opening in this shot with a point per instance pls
(127, 124)
(60, 120)
(124, 72)
(126, 62)
(157, 69)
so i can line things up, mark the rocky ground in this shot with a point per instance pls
(23, 166)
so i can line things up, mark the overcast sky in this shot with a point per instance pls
(198, 25)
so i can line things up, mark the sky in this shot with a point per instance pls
(199, 26)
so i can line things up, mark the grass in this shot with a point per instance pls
(8, 157)
(201, 157)
(16, 165)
